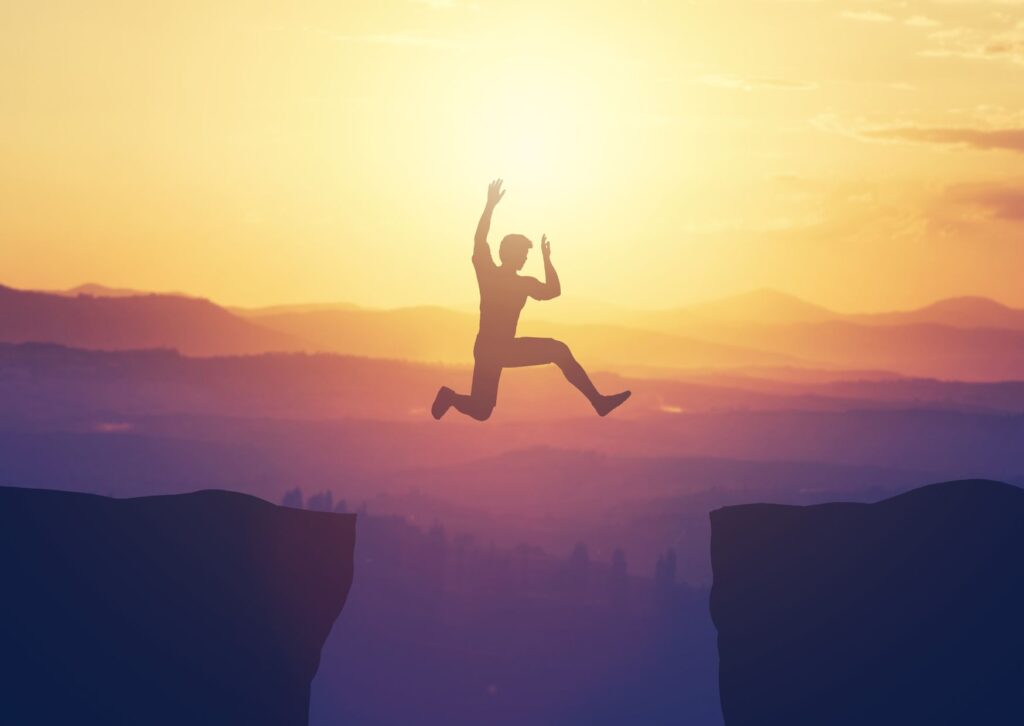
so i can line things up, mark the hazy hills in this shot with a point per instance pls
(112, 322)
(966, 338)
(199, 327)
(439, 334)
(318, 415)
(963, 338)
(96, 290)
(770, 307)
(964, 312)
(41, 379)
(920, 349)
(759, 307)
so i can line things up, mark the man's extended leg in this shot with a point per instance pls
(538, 351)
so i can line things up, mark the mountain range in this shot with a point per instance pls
(967, 338)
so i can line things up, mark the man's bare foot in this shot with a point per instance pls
(442, 402)
(607, 404)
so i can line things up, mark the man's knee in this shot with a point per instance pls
(481, 408)
(482, 411)
(560, 353)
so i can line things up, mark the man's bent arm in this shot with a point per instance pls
(551, 278)
(551, 287)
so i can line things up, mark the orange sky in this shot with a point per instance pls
(862, 154)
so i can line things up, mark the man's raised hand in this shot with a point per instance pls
(545, 246)
(494, 192)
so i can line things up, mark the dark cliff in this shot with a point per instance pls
(204, 608)
(906, 611)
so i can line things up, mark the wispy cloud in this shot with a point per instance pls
(976, 45)
(986, 201)
(922, 21)
(867, 16)
(1004, 139)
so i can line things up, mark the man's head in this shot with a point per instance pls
(513, 250)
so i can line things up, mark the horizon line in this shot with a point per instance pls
(471, 306)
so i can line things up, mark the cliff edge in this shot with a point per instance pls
(906, 611)
(203, 608)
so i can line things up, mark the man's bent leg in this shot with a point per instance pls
(480, 403)
(472, 407)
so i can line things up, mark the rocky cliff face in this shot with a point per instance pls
(204, 608)
(907, 611)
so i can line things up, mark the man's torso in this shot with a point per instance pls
(502, 298)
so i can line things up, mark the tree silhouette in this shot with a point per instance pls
(321, 502)
(292, 498)
(579, 568)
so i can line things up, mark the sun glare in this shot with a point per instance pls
(543, 122)
(538, 121)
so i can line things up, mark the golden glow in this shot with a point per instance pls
(672, 151)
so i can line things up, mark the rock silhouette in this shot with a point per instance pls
(203, 608)
(906, 611)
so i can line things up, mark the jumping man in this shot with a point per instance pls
(503, 293)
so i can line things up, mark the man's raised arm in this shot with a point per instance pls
(480, 248)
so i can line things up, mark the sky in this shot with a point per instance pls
(864, 155)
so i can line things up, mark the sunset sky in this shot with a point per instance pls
(863, 155)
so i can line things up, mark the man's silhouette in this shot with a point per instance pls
(503, 293)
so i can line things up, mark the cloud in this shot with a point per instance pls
(1003, 139)
(922, 21)
(754, 84)
(975, 45)
(987, 201)
(867, 16)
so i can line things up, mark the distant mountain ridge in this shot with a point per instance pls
(969, 338)
(95, 290)
(765, 306)
(191, 325)
(966, 312)
(436, 334)
(196, 326)
(771, 307)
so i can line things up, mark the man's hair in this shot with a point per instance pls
(512, 243)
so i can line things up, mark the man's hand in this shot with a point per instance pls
(494, 193)
(545, 247)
